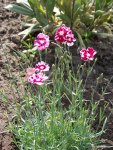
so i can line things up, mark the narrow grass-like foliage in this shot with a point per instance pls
(54, 116)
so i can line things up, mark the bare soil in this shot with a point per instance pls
(10, 26)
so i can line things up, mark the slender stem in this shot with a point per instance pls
(72, 13)
(40, 56)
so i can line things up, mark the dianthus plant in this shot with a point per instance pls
(64, 36)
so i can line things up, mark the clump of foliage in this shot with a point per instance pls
(85, 17)
(44, 122)
(53, 113)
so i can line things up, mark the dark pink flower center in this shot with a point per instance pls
(41, 67)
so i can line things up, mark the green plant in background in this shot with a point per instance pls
(85, 17)
(42, 11)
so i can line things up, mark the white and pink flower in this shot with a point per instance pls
(42, 41)
(87, 54)
(38, 79)
(30, 71)
(64, 35)
(70, 39)
(42, 66)
(60, 35)
(36, 75)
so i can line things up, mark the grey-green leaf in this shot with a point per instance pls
(20, 9)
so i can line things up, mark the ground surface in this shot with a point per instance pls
(9, 27)
(10, 41)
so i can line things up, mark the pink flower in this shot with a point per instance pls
(64, 35)
(87, 54)
(30, 71)
(60, 35)
(70, 39)
(91, 53)
(35, 75)
(38, 79)
(42, 66)
(42, 41)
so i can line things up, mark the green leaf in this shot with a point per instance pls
(37, 5)
(78, 2)
(103, 35)
(81, 40)
(99, 13)
(31, 29)
(103, 18)
(65, 6)
(50, 4)
(97, 4)
(104, 4)
(65, 19)
(24, 10)
(39, 12)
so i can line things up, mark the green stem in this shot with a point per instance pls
(72, 13)
(40, 56)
